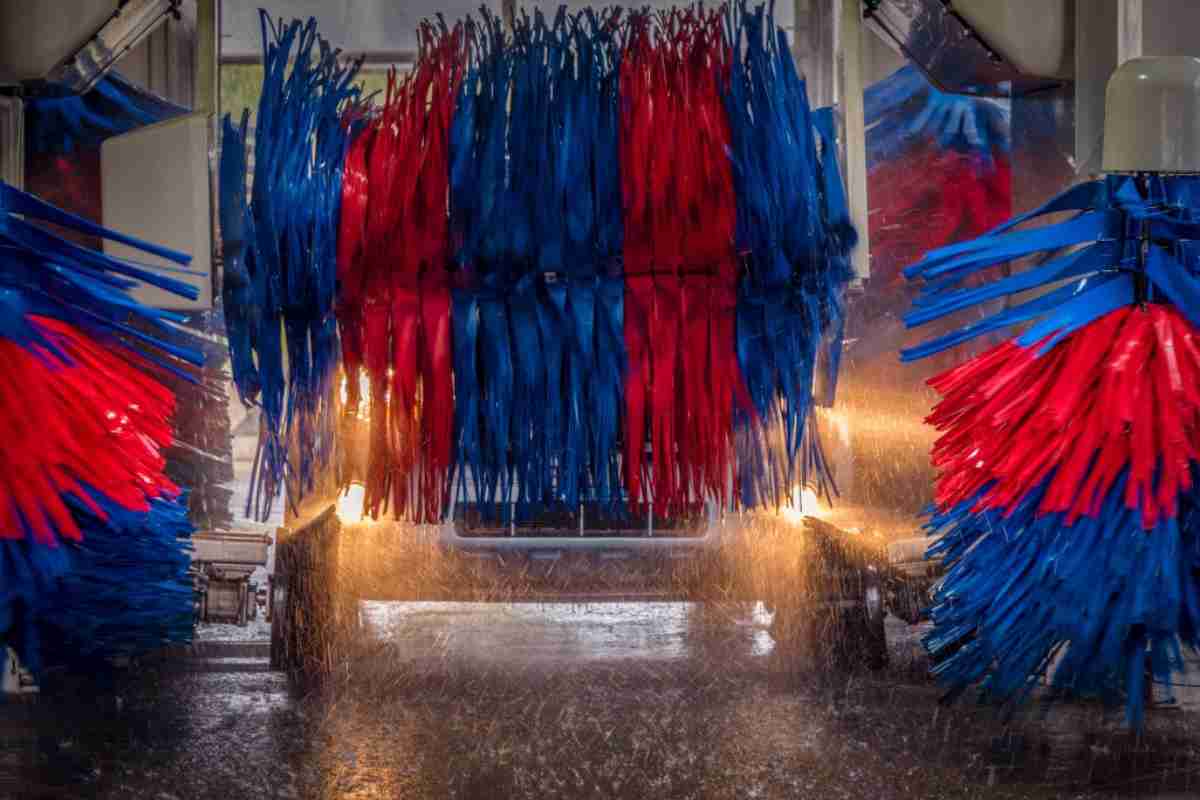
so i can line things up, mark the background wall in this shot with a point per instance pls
(354, 25)
(386, 25)
(1169, 27)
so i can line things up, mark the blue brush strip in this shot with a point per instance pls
(953, 300)
(14, 201)
(467, 446)
(793, 222)
(286, 275)
(535, 218)
(839, 239)
(1015, 315)
(605, 390)
(1022, 587)
(237, 286)
(905, 110)
(123, 591)
(1106, 229)
(63, 123)
(57, 278)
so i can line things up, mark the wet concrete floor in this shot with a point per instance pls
(613, 700)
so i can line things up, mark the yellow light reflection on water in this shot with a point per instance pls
(804, 504)
(363, 411)
(839, 421)
(350, 504)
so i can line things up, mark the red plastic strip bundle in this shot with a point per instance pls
(1120, 394)
(931, 197)
(352, 291)
(86, 442)
(681, 272)
(395, 285)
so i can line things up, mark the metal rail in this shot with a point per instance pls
(129, 25)
(450, 537)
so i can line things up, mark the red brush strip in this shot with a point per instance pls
(395, 258)
(351, 264)
(680, 216)
(1121, 394)
(637, 128)
(95, 421)
(929, 198)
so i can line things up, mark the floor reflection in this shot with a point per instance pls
(485, 701)
(547, 634)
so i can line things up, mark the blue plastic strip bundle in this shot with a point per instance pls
(1111, 600)
(794, 231)
(905, 108)
(607, 376)
(535, 314)
(62, 123)
(588, 99)
(123, 591)
(284, 294)
(237, 235)
(838, 238)
(43, 273)
(536, 219)
(1104, 241)
(478, 194)
(27, 572)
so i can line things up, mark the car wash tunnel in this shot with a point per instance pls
(497, 399)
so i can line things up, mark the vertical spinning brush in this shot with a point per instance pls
(594, 221)
(91, 528)
(1067, 504)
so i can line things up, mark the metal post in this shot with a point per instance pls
(208, 52)
(15, 680)
(12, 141)
(1097, 40)
(207, 101)
(1129, 30)
(850, 98)
(814, 49)
(128, 27)
(828, 49)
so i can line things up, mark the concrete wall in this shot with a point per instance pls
(372, 26)
(1169, 27)
(386, 26)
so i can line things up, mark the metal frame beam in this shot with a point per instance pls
(129, 26)
(848, 95)
(12, 141)
(828, 48)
